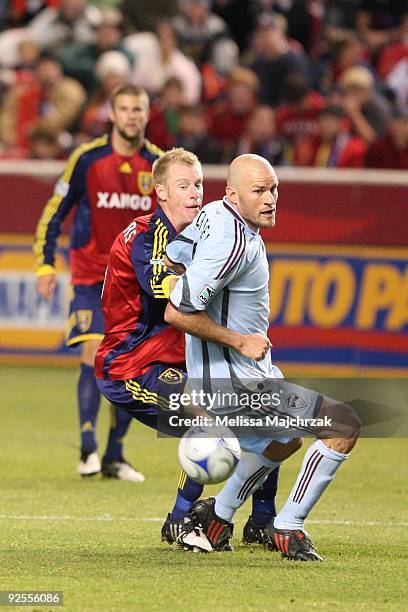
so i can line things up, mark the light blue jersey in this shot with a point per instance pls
(227, 274)
(229, 278)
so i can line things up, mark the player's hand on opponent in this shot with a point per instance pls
(178, 268)
(255, 346)
(46, 286)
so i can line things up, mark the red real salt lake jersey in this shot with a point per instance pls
(108, 191)
(134, 299)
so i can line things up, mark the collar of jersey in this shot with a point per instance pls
(160, 214)
(231, 209)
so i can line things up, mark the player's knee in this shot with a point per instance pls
(278, 451)
(342, 420)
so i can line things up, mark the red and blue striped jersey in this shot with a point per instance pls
(108, 190)
(134, 299)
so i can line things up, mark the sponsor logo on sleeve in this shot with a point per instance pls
(206, 294)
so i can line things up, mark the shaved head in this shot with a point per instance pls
(244, 165)
(252, 186)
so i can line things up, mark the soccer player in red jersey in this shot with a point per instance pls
(109, 182)
(139, 349)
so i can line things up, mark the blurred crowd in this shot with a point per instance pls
(319, 83)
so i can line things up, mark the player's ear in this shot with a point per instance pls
(161, 192)
(232, 194)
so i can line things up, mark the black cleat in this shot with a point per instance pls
(218, 531)
(292, 543)
(253, 533)
(171, 529)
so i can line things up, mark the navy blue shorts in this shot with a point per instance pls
(145, 397)
(85, 315)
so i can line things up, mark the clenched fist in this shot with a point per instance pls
(254, 346)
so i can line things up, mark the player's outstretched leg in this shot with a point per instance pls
(113, 463)
(89, 399)
(188, 492)
(263, 510)
(322, 460)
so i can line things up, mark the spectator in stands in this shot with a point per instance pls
(229, 116)
(51, 101)
(73, 23)
(173, 63)
(145, 15)
(392, 67)
(391, 151)
(340, 54)
(79, 61)
(112, 70)
(158, 58)
(164, 114)
(339, 18)
(380, 22)
(44, 143)
(21, 12)
(239, 15)
(348, 52)
(204, 36)
(274, 61)
(368, 111)
(192, 134)
(260, 136)
(297, 117)
(333, 146)
(23, 72)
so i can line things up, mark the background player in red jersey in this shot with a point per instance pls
(109, 182)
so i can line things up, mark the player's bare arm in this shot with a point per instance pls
(199, 324)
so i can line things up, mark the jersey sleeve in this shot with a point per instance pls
(219, 258)
(181, 250)
(147, 253)
(67, 190)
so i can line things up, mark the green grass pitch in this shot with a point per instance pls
(98, 541)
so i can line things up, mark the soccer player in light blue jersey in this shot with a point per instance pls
(228, 280)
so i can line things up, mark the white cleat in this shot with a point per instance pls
(193, 538)
(121, 470)
(89, 465)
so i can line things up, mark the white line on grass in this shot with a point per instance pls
(158, 519)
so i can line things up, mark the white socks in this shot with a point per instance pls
(251, 472)
(319, 466)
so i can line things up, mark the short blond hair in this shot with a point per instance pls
(357, 76)
(177, 155)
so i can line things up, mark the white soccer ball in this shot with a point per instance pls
(208, 460)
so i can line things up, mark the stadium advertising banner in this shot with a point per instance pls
(30, 328)
(333, 307)
(337, 305)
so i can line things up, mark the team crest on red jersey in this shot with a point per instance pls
(171, 376)
(83, 319)
(145, 182)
